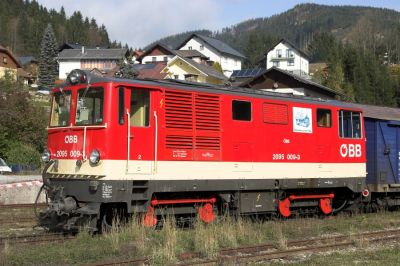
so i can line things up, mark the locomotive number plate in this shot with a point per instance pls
(283, 156)
(65, 153)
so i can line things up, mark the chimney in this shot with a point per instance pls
(83, 49)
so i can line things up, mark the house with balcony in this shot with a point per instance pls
(216, 50)
(284, 55)
(103, 60)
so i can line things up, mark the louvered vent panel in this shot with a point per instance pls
(178, 110)
(208, 143)
(179, 142)
(207, 112)
(275, 113)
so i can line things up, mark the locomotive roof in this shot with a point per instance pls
(206, 87)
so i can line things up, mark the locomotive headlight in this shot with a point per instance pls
(76, 76)
(46, 156)
(94, 157)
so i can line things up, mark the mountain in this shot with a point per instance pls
(375, 29)
(360, 45)
(22, 24)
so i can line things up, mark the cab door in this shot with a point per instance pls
(141, 131)
(325, 136)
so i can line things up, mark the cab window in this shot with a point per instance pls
(324, 118)
(90, 106)
(140, 108)
(349, 124)
(241, 110)
(121, 105)
(60, 109)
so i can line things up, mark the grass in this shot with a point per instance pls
(17, 227)
(164, 246)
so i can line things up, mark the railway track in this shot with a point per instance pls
(12, 220)
(8, 216)
(262, 253)
(19, 206)
(126, 262)
(266, 252)
(39, 238)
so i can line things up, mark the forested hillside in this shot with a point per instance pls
(360, 44)
(23, 22)
(374, 29)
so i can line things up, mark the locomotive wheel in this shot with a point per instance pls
(113, 217)
(338, 205)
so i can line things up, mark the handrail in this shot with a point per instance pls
(129, 140)
(84, 145)
(155, 141)
(77, 127)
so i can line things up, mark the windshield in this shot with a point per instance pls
(60, 110)
(2, 163)
(89, 106)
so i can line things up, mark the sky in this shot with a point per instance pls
(140, 22)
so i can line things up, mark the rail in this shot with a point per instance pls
(35, 238)
(18, 206)
(266, 252)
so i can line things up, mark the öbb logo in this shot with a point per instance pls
(350, 150)
(71, 139)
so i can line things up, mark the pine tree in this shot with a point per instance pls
(24, 44)
(48, 66)
(126, 70)
(335, 79)
(217, 67)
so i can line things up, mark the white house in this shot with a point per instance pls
(216, 51)
(286, 56)
(156, 53)
(104, 60)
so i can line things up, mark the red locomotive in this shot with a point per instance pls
(168, 147)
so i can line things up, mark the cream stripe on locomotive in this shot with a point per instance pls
(184, 170)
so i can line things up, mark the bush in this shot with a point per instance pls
(21, 119)
(22, 154)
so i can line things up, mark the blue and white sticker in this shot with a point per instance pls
(302, 120)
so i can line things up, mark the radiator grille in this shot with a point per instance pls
(207, 112)
(178, 110)
(208, 143)
(275, 113)
(179, 142)
(192, 121)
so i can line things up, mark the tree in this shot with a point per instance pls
(217, 67)
(48, 66)
(335, 79)
(126, 70)
(22, 123)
